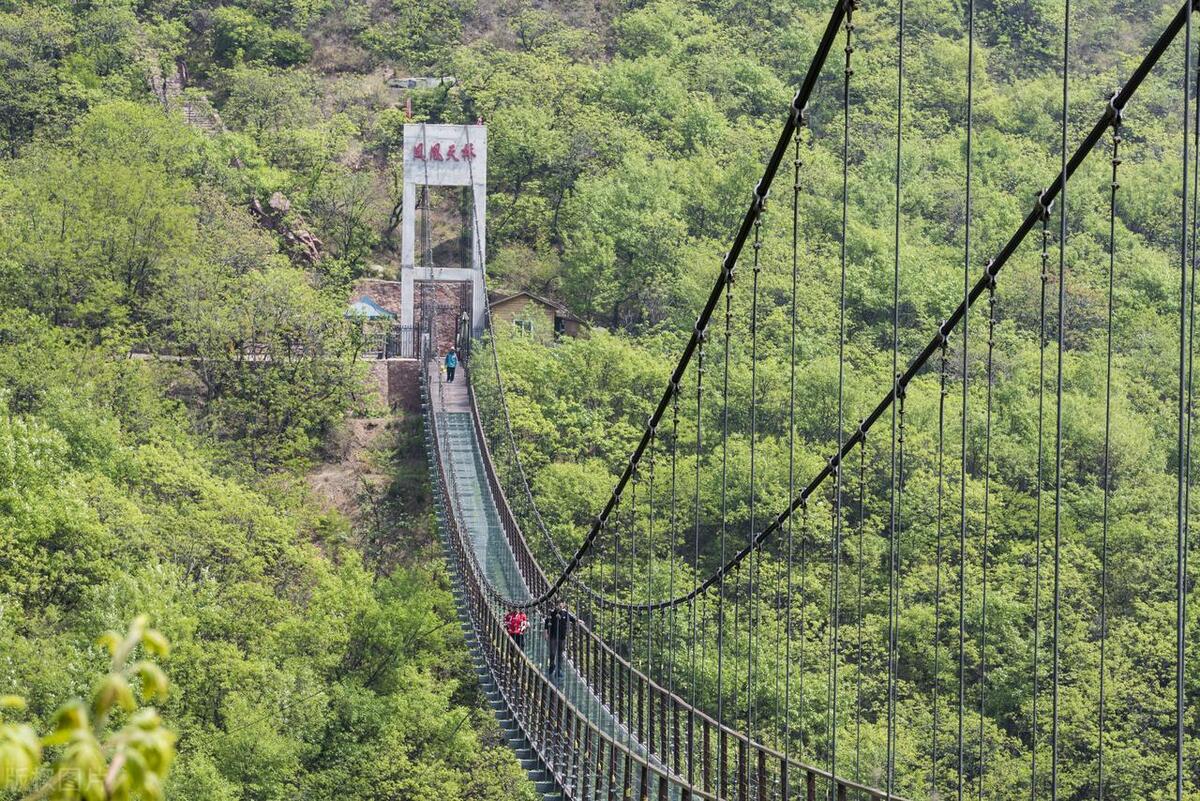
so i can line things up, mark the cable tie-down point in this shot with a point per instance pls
(942, 335)
(1117, 113)
(1044, 207)
(799, 114)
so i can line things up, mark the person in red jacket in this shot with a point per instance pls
(516, 624)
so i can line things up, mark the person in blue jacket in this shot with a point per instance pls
(451, 363)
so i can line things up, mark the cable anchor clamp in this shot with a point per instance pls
(943, 337)
(1043, 207)
(760, 200)
(799, 114)
(1117, 112)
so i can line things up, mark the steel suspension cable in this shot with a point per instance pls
(1058, 414)
(595, 619)
(776, 696)
(787, 685)
(799, 102)
(858, 677)
(631, 567)
(803, 620)
(652, 502)
(1037, 553)
(696, 507)
(751, 601)
(984, 556)
(894, 603)
(649, 558)
(1005, 252)
(1181, 514)
(1108, 360)
(962, 483)
(835, 550)
(897, 408)
(675, 392)
(1186, 459)
(835, 513)
(729, 284)
(614, 583)
(937, 585)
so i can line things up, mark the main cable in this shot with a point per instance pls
(1006, 251)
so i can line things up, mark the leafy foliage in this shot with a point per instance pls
(625, 139)
(95, 763)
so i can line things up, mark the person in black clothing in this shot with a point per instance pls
(557, 629)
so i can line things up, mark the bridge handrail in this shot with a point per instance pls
(536, 579)
(544, 719)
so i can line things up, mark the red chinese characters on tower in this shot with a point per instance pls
(434, 153)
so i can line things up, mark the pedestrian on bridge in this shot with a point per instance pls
(516, 623)
(451, 363)
(557, 629)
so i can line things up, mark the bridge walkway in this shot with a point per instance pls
(479, 518)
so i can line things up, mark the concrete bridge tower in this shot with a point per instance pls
(444, 155)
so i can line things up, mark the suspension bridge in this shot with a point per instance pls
(630, 716)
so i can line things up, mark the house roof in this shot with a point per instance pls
(367, 307)
(558, 307)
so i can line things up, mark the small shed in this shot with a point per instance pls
(376, 325)
(530, 313)
(366, 308)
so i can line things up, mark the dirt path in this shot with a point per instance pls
(356, 465)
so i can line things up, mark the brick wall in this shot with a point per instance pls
(384, 293)
(449, 300)
(404, 384)
(394, 384)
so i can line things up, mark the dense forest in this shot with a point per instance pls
(315, 651)
(623, 205)
(179, 178)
